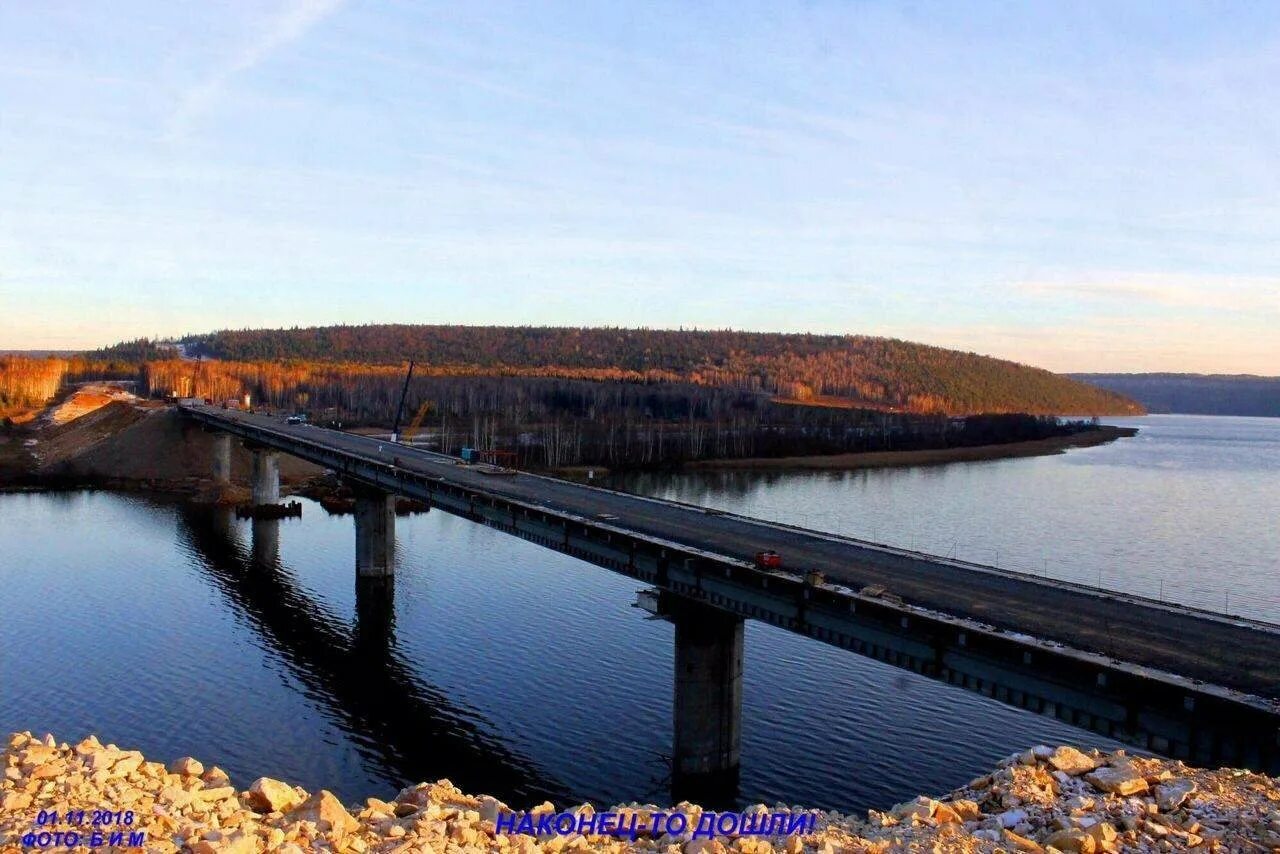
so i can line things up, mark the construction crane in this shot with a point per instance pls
(195, 372)
(416, 424)
(395, 428)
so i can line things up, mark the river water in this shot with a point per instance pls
(520, 672)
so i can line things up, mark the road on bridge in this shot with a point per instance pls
(1239, 654)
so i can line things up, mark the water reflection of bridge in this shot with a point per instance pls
(398, 720)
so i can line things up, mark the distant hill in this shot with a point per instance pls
(1195, 394)
(860, 371)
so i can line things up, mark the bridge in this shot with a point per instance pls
(1172, 679)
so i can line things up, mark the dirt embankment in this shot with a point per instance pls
(161, 451)
(934, 456)
(125, 444)
(87, 398)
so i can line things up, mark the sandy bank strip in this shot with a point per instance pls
(1043, 799)
(935, 456)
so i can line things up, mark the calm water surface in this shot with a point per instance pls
(514, 670)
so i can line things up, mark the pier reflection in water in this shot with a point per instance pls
(375, 617)
(354, 670)
(266, 542)
(505, 667)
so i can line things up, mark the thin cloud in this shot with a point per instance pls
(1218, 293)
(283, 29)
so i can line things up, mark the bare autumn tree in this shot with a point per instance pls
(29, 382)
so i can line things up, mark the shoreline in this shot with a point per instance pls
(1040, 799)
(929, 456)
(111, 456)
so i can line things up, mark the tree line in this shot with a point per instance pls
(851, 370)
(556, 421)
(27, 381)
(546, 416)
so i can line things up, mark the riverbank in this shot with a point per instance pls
(1043, 799)
(933, 456)
(102, 436)
(102, 439)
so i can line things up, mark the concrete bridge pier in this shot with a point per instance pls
(375, 532)
(708, 703)
(265, 478)
(221, 458)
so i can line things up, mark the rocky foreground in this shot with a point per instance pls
(1045, 799)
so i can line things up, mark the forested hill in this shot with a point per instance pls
(817, 369)
(1196, 394)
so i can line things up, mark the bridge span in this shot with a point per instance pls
(1172, 679)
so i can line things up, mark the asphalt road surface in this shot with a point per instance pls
(1238, 654)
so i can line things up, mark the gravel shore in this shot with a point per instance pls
(1044, 799)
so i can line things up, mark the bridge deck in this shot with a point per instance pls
(1234, 653)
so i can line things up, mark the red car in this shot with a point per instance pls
(768, 560)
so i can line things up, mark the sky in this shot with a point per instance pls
(1088, 186)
